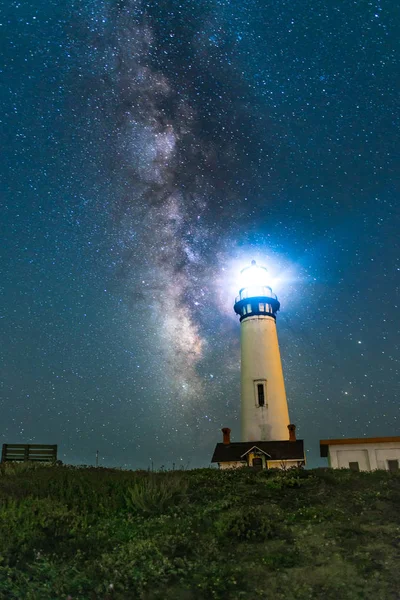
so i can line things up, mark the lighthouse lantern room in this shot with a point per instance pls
(268, 437)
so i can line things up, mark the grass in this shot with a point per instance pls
(100, 534)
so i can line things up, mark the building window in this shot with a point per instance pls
(260, 394)
(244, 310)
(261, 306)
(354, 466)
(393, 465)
(249, 308)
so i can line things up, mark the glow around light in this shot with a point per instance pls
(284, 277)
(254, 276)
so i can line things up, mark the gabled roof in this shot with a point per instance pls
(324, 444)
(276, 450)
(257, 448)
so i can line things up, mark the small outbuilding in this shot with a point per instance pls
(280, 454)
(362, 454)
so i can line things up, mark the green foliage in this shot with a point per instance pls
(102, 534)
(256, 523)
(156, 493)
(18, 468)
(32, 523)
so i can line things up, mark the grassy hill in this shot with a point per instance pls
(86, 533)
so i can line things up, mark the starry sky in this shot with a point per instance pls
(150, 150)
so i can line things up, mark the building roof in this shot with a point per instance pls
(277, 450)
(324, 444)
(257, 448)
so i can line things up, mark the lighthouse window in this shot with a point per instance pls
(261, 307)
(260, 394)
(249, 308)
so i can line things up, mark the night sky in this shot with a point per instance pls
(150, 150)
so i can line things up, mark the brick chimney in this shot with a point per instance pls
(227, 435)
(292, 432)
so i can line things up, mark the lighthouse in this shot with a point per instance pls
(268, 439)
(264, 409)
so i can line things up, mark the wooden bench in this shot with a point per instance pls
(34, 452)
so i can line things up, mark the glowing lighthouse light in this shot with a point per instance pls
(254, 275)
(254, 281)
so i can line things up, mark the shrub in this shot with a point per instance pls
(251, 524)
(18, 468)
(156, 493)
(34, 525)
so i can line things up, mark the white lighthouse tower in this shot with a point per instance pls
(264, 409)
(268, 438)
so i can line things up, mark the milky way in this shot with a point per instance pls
(151, 151)
(169, 154)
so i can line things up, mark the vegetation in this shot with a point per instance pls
(97, 534)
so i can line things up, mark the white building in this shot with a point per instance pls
(268, 437)
(362, 454)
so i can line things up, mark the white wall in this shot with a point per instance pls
(261, 361)
(272, 464)
(286, 464)
(353, 455)
(368, 456)
(231, 465)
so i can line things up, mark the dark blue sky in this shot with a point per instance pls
(150, 150)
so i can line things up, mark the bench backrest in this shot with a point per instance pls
(36, 452)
